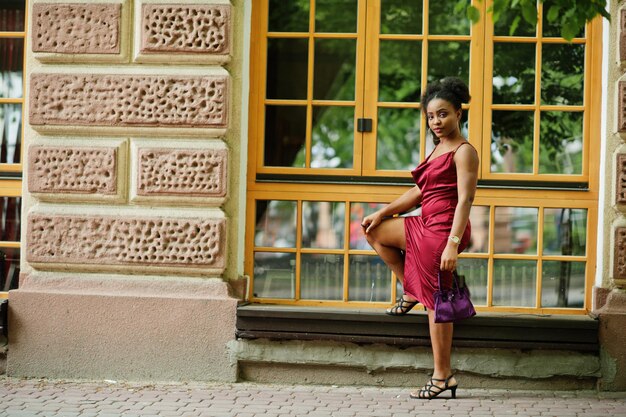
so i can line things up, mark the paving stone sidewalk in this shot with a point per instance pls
(53, 398)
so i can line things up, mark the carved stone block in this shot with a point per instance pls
(185, 28)
(620, 179)
(128, 100)
(76, 28)
(126, 241)
(74, 170)
(619, 258)
(621, 114)
(193, 172)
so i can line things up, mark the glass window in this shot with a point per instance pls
(10, 221)
(9, 268)
(516, 230)
(276, 224)
(274, 275)
(512, 142)
(514, 283)
(398, 139)
(12, 35)
(321, 276)
(323, 224)
(563, 284)
(370, 279)
(565, 231)
(316, 175)
(11, 133)
(401, 16)
(399, 72)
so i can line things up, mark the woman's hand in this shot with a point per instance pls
(449, 257)
(370, 222)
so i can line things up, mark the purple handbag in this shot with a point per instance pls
(454, 304)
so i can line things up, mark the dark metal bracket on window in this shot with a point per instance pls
(364, 125)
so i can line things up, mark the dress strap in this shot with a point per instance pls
(457, 148)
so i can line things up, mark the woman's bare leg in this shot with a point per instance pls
(388, 240)
(441, 339)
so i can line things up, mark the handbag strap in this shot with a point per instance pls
(455, 282)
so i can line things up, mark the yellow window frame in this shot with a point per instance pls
(11, 184)
(481, 62)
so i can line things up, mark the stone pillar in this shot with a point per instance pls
(610, 297)
(131, 141)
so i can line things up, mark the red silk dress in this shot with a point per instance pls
(427, 234)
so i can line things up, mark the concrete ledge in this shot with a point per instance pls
(172, 330)
(310, 361)
(341, 375)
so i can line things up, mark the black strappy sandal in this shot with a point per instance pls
(430, 390)
(402, 307)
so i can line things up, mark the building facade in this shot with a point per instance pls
(189, 178)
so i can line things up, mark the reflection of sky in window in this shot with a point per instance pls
(323, 156)
(500, 82)
(11, 84)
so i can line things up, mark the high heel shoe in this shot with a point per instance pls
(430, 390)
(402, 307)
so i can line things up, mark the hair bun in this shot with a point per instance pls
(456, 86)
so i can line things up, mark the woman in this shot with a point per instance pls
(417, 248)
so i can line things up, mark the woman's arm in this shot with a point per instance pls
(466, 161)
(409, 199)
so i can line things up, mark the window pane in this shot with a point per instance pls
(11, 67)
(357, 212)
(10, 219)
(511, 23)
(562, 74)
(335, 69)
(370, 279)
(516, 230)
(400, 71)
(275, 224)
(564, 231)
(512, 141)
(553, 29)
(513, 73)
(442, 20)
(479, 219)
(274, 275)
(12, 16)
(561, 143)
(332, 141)
(563, 284)
(323, 224)
(287, 68)
(9, 268)
(475, 272)
(338, 16)
(321, 276)
(401, 16)
(11, 133)
(448, 58)
(288, 16)
(398, 139)
(514, 283)
(285, 136)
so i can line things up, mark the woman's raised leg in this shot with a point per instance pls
(388, 240)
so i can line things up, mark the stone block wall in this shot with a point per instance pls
(131, 142)
(610, 295)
